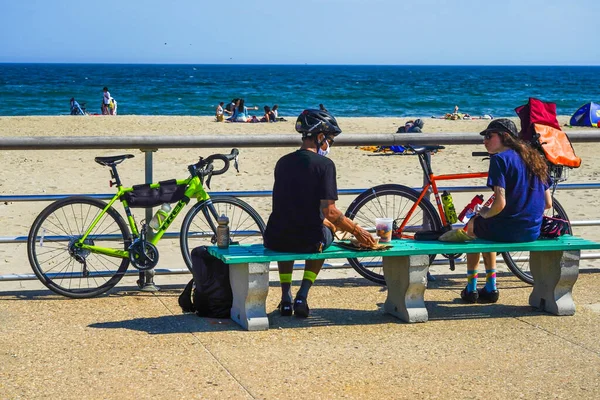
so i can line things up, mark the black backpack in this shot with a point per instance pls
(208, 294)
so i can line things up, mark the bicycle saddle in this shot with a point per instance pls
(426, 149)
(112, 160)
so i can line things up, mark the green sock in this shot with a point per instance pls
(307, 280)
(286, 287)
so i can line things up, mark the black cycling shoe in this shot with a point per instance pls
(469, 297)
(285, 308)
(301, 309)
(486, 296)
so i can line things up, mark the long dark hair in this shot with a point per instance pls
(241, 106)
(535, 162)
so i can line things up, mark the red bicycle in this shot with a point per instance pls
(413, 212)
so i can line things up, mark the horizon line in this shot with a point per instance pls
(305, 64)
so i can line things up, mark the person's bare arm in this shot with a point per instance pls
(548, 199)
(498, 204)
(342, 223)
(328, 224)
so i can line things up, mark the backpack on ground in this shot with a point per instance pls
(209, 293)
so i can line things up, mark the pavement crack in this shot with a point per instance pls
(596, 352)
(207, 350)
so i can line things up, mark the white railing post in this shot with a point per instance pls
(146, 281)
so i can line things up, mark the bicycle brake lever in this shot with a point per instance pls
(236, 163)
(209, 177)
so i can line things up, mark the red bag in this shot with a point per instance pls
(536, 112)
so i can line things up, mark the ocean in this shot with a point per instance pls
(346, 90)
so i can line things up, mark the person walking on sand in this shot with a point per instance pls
(105, 101)
(304, 214)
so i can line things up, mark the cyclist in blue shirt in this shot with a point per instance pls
(518, 175)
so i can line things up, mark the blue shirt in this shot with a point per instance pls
(240, 116)
(521, 218)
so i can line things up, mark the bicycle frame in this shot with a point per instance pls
(431, 184)
(195, 189)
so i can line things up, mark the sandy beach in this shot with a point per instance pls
(74, 171)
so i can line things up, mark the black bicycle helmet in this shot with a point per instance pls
(312, 122)
(553, 227)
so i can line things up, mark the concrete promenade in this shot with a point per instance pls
(139, 345)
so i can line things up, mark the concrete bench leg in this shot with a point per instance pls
(554, 274)
(406, 279)
(250, 286)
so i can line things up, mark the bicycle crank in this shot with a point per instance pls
(143, 255)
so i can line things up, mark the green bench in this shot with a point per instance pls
(554, 264)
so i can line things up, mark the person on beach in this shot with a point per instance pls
(304, 215)
(105, 101)
(233, 107)
(275, 111)
(219, 112)
(268, 116)
(518, 175)
(112, 106)
(241, 112)
(322, 108)
(229, 108)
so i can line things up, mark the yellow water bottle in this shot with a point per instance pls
(449, 208)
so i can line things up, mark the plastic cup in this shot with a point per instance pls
(383, 226)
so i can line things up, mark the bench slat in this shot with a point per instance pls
(257, 253)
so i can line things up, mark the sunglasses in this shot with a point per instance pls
(488, 135)
(330, 140)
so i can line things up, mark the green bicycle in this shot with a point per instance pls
(71, 244)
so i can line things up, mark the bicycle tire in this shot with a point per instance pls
(55, 265)
(389, 201)
(518, 261)
(245, 224)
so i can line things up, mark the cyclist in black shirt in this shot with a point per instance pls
(304, 214)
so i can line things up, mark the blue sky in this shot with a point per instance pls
(396, 32)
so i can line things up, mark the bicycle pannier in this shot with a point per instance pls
(209, 293)
(143, 196)
(556, 146)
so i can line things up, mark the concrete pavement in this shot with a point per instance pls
(132, 344)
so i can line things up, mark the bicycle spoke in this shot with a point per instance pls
(59, 262)
(389, 201)
(245, 225)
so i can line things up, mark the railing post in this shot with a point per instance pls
(146, 281)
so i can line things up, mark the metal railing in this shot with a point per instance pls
(150, 144)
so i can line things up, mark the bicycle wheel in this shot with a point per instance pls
(518, 261)
(393, 201)
(200, 224)
(65, 269)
